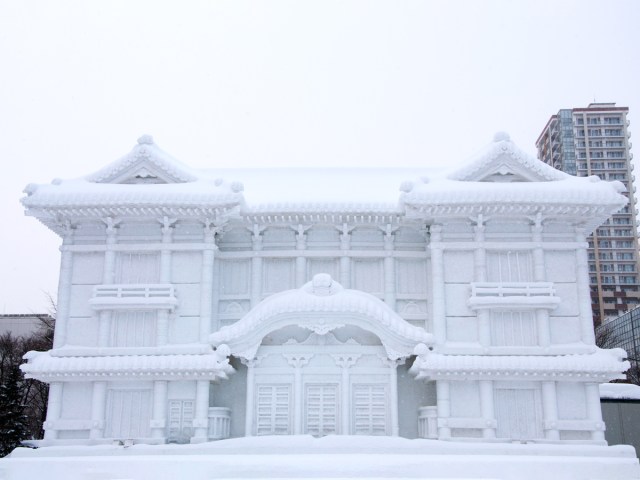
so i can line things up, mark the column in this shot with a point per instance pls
(550, 411)
(488, 411)
(437, 285)
(54, 410)
(298, 362)
(159, 418)
(393, 392)
(64, 287)
(301, 261)
(98, 406)
(345, 259)
(584, 294)
(345, 362)
(389, 267)
(542, 315)
(165, 252)
(256, 266)
(594, 411)
(250, 408)
(480, 275)
(444, 409)
(206, 282)
(201, 417)
(108, 278)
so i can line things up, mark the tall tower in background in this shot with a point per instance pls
(595, 141)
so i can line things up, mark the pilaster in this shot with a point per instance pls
(64, 288)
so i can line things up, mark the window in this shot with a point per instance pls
(626, 268)
(369, 409)
(321, 403)
(604, 244)
(627, 279)
(608, 279)
(616, 155)
(624, 256)
(272, 410)
(612, 121)
(509, 266)
(597, 155)
(595, 132)
(133, 329)
(624, 244)
(132, 267)
(622, 232)
(617, 176)
(513, 329)
(606, 267)
(128, 414)
(613, 132)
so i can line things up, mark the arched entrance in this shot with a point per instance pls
(321, 360)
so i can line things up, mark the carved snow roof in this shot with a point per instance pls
(146, 163)
(602, 364)
(503, 161)
(321, 306)
(46, 367)
(500, 180)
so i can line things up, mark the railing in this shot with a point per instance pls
(512, 289)
(428, 422)
(219, 423)
(147, 295)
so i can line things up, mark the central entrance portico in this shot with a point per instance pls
(321, 360)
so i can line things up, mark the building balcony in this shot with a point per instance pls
(130, 296)
(508, 295)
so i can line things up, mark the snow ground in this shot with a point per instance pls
(332, 457)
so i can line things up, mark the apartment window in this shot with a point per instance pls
(624, 244)
(581, 144)
(612, 121)
(595, 132)
(606, 268)
(597, 155)
(597, 143)
(624, 256)
(622, 232)
(604, 244)
(615, 155)
(608, 279)
(603, 232)
(617, 165)
(605, 255)
(614, 143)
(593, 280)
(583, 155)
(626, 279)
(626, 268)
(592, 256)
(617, 176)
(580, 133)
(593, 121)
(592, 268)
(613, 132)
(597, 165)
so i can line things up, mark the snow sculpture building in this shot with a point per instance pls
(461, 310)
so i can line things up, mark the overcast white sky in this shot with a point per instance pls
(284, 83)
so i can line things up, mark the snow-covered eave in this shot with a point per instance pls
(601, 366)
(46, 367)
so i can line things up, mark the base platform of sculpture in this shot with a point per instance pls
(335, 457)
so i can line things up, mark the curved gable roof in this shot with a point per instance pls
(321, 306)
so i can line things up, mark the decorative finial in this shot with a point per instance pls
(145, 140)
(501, 137)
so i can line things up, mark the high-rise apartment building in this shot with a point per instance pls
(595, 141)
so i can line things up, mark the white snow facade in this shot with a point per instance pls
(461, 310)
